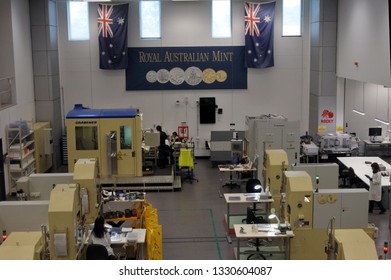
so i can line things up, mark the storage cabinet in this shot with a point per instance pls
(43, 146)
(21, 153)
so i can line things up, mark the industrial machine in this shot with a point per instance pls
(274, 164)
(112, 136)
(71, 207)
(307, 210)
(349, 244)
(23, 246)
(323, 175)
(272, 131)
(338, 143)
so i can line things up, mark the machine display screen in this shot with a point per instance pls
(375, 131)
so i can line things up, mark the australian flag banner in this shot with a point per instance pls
(113, 31)
(259, 22)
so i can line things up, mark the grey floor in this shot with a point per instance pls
(193, 218)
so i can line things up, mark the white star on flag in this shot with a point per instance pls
(268, 19)
(120, 21)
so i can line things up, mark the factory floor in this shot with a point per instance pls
(193, 218)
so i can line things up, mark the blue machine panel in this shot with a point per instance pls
(80, 112)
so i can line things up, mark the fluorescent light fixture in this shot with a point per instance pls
(381, 121)
(96, 0)
(359, 112)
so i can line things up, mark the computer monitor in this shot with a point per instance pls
(375, 131)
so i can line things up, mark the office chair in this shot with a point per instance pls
(353, 179)
(97, 252)
(251, 218)
(343, 174)
(186, 161)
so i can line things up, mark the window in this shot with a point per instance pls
(86, 138)
(126, 137)
(291, 18)
(221, 18)
(150, 20)
(78, 21)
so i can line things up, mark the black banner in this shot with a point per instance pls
(182, 68)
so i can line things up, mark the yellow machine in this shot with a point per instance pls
(309, 243)
(354, 244)
(298, 207)
(85, 175)
(71, 207)
(275, 163)
(65, 222)
(23, 246)
(112, 136)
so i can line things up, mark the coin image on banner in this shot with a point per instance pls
(193, 76)
(209, 76)
(177, 76)
(151, 76)
(163, 76)
(221, 76)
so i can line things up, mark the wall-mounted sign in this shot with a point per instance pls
(182, 68)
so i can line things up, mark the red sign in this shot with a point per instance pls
(327, 116)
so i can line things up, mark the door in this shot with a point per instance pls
(118, 154)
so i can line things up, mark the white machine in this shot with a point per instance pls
(338, 143)
(272, 132)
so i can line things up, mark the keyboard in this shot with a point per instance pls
(263, 227)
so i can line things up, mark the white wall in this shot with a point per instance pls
(364, 36)
(21, 45)
(277, 90)
(373, 100)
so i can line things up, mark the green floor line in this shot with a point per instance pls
(213, 223)
(215, 233)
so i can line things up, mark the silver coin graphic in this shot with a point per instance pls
(163, 76)
(193, 76)
(177, 76)
(151, 76)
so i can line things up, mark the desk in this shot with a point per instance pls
(239, 169)
(121, 240)
(361, 168)
(248, 233)
(377, 149)
(242, 198)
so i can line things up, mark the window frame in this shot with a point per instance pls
(230, 20)
(301, 20)
(69, 21)
(160, 20)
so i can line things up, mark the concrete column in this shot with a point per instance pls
(323, 80)
(43, 15)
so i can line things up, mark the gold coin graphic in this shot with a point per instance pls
(209, 76)
(221, 76)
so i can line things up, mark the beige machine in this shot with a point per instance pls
(23, 246)
(309, 242)
(354, 244)
(65, 222)
(112, 136)
(85, 174)
(71, 207)
(275, 163)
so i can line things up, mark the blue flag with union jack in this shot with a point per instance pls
(113, 33)
(258, 23)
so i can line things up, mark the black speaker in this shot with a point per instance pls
(3, 195)
(207, 110)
